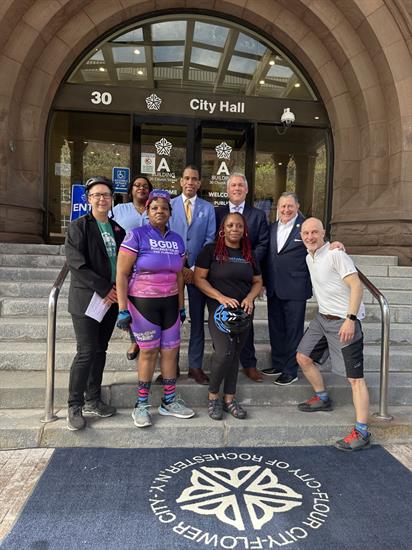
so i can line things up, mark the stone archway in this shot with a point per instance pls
(356, 53)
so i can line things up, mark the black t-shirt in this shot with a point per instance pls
(232, 278)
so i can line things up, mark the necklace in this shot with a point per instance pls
(140, 209)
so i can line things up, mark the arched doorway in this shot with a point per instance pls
(183, 88)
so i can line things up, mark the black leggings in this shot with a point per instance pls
(225, 359)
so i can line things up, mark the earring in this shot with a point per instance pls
(221, 233)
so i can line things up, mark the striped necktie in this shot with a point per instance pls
(188, 211)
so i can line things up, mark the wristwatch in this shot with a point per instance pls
(351, 317)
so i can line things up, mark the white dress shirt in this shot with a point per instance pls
(283, 232)
(192, 202)
(236, 208)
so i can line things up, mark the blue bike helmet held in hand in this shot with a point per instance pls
(232, 320)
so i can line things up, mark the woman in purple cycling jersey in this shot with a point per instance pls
(133, 214)
(150, 294)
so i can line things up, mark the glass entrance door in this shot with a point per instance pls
(224, 148)
(162, 148)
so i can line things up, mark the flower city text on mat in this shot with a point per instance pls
(246, 498)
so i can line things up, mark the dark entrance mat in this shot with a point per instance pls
(242, 498)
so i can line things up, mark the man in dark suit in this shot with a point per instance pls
(288, 286)
(194, 220)
(237, 189)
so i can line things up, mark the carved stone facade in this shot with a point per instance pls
(358, 53)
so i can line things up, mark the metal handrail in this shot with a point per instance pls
(383, 413)
(49, 415)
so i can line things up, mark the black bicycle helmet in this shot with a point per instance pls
(231, 320)
(96, 180)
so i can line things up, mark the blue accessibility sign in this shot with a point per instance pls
(80, 205)
(121, 178)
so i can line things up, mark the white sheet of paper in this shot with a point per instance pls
(97, 308)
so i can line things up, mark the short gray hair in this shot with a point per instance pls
(289, 194)
(238, 175)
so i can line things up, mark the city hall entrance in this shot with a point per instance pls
(184, 89)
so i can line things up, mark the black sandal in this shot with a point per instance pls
(235, 409)
(215, 409)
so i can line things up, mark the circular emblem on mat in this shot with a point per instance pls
(238, 500)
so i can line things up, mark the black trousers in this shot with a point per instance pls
(286, 320)
(225, 360)
(248, 353)
(86, 371)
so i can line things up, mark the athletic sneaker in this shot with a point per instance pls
(141, 416)
(354, 442)
(271, 371)
(176, 408)
(314, 404)
(98, 408)
(75, 420)
(285, 380)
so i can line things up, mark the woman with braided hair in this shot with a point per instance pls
(228, 274)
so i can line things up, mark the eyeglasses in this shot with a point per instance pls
(99, 196)
(140, 186)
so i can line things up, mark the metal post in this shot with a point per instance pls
(49, 415)
(383, 413)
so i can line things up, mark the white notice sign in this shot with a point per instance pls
(147, 163)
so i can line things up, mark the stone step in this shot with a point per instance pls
(46, 268)
(24, 274)
(34, 328)
(264, 427)
(37, 307)
(36, 289)
(41, 289)
(363, 260)
(31, 356)
(391, 283)
(35, 249)
(22, 390)
(38, 260)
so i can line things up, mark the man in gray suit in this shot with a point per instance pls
(194, 220)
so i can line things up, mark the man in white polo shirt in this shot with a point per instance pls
(335, 331)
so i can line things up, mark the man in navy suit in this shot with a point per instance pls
(237, 189)
(194, 220)
(288, 287)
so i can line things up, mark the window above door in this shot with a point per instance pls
(193, 53)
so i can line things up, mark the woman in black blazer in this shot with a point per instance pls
(91, 247)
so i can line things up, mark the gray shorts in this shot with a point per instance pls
(321, 340)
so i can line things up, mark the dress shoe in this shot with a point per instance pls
(254, 374)
(198, 376)
(132, 354)
(159, 379)
(285, 380)
(272, 371)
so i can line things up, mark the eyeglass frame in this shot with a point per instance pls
(141, 186)
(98, 196)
